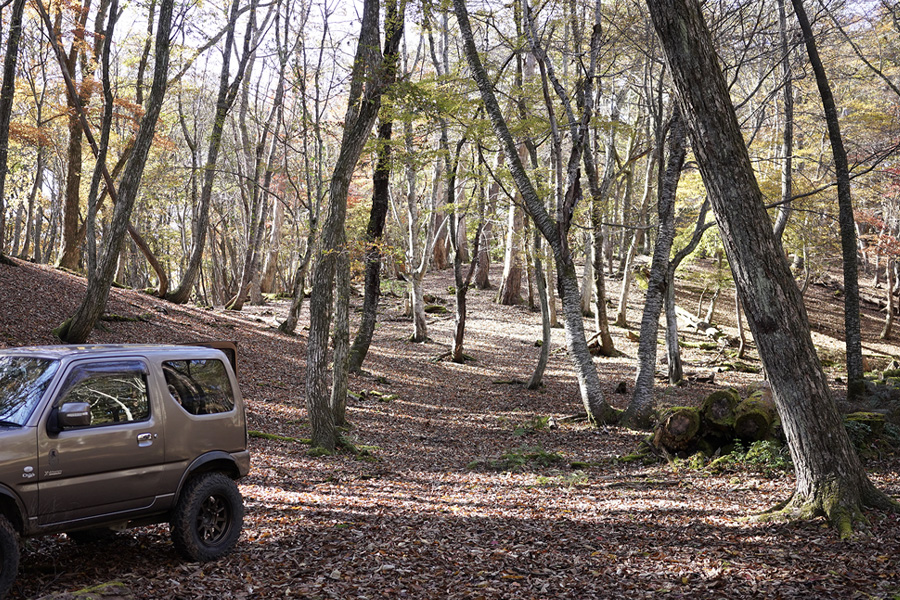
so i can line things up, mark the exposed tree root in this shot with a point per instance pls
(842, 510)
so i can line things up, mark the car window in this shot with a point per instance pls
(23, 381)
(199, 386)
(116, 391)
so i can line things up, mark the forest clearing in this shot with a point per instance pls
(415, 220)
(418, 511)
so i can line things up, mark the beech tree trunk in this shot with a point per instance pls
(483, 274)
(673, 352)
(366, 88)
(787, 139)
(374, 232)
(554, 231)
(639, 412)
(830, 480)
(225, 100)
(378, 213)
(510, 292)
(625, 292)
(7, 91)
(537, 375)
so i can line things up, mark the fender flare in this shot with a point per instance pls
(216, 460)
(12, 508)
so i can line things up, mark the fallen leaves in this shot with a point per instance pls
(412, 521)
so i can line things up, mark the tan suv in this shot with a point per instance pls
(100, 438)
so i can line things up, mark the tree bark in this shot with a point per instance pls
(366, 88)
(852, 333)
(889, 319)
(673, 353)
(787, 139)
(71, 250)
(7, 92)
(483, 274)
(830, 480)
(378, 214)
(537, 376)
(224, 101)
(639, 412)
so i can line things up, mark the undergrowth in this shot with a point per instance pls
(517, 459)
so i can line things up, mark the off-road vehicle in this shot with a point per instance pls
(101, 438)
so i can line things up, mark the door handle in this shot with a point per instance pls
(146, 439)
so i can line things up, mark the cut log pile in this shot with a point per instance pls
(722, 419)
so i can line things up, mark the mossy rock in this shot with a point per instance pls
(435, 309)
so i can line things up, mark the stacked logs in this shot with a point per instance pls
(722, 419)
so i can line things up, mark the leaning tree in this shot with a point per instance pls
(831, 481)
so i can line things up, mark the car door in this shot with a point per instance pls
(110, 466)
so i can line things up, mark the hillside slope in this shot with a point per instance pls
(460, 487)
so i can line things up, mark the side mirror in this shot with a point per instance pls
(73, 415)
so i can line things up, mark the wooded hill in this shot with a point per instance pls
(232, 153)
(460, 481)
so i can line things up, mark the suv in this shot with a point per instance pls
(101, 438)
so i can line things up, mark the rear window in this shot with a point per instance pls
(201, 387)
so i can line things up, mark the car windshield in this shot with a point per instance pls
(23, 380)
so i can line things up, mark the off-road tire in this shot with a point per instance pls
(9, 555)
(208, 518)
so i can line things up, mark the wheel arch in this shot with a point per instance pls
(211, 462)
(11, 507)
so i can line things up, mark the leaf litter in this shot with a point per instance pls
(418, 514)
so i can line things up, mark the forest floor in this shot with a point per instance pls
(419, 512)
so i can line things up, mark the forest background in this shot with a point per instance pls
(238, 196)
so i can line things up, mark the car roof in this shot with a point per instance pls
(71, 351)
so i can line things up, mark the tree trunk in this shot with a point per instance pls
(554, 231)
(267, 281)
(341, 341)
(482, 275)
(259, 206)
(7, 91)
(787, 139)
(639, 412)
(375, 230)
(510, 292)
(366, 87)
(587, 277)
(224, 101)
(625, 292)
(676, 371)
(738, 317)
(889, 319)
(77, 329)
(830, 480)
(289, 325)
(537, 376)
(846, 220)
